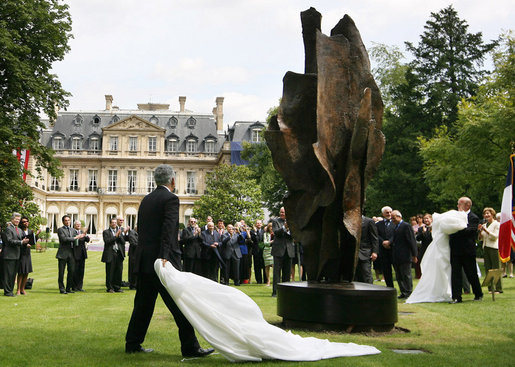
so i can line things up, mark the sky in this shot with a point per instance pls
(143, 51)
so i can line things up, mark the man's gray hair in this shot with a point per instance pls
(397, 213)
(384, 208)
(163, 174)
(15, 215)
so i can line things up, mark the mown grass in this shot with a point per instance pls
(46, 328)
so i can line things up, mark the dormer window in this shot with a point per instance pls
(94, 143)
(191, 122)
(154, 120)
(114, 119)
(191, 146)
(96, 120)
(172, 122)
(210, 146)
(57, 143)
(173, 145)
(78, 120)
(76, 143)
(256, 135)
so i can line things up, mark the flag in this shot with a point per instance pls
(507, 230)
(23, 158)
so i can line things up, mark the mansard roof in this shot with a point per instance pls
(241, 130)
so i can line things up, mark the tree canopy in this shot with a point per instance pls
(230, 195)
(33, 35)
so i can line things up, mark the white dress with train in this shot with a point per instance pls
(233, 324)
(435, 283)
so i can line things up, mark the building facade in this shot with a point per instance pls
(108, 157)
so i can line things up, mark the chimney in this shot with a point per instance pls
(219, 116)
(182, 102)
(109, 102)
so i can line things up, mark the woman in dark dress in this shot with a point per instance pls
(25, 266)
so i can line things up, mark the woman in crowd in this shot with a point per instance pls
(268, 238)
(489, 233)
(25, 263)
(425, 237)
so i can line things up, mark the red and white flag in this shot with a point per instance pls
(23, 158)
(507, 230)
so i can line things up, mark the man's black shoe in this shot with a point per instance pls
(480, 298)
(110, 291)
(200, 352)
(118, 290)
(69, 291)
(139, 350)
(456, 301)
(62, 291)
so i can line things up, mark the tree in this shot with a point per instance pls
(473, 161)
(33, 35)
(447, 65)
(231, 195)
(272, 185)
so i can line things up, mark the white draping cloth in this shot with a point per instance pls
(233, 324)
(435, 283)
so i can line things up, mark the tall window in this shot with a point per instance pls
(74, 180)
(152, 143)
(57, 143)
(112, 180)
(53, 222)
(76, 143)
(173, 145)
(190, 183)
(91, 223)
(93, 144)
(54, 184)
(131, 181)
(73, 217)
(108, 219)
(92, 180)
(151, 184)
(113, 143)
(130, 220)
(133, 143)
(210, 146)
(256, 135)
(191, 146)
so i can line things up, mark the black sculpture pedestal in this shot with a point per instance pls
(350, 307)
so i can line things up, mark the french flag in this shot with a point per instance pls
(507, 230)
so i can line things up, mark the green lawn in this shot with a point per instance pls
(46, 328)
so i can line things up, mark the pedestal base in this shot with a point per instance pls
(350, 307)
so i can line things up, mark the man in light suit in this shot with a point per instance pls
(211, 241)
(283, 250)
(113, 256)
(158, 228)
(404, 252)
(14, 239)
(231, 255)
(81, 254)
(368, 249)
(463, 254)
(65, 257)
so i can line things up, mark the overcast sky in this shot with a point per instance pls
(157, 50)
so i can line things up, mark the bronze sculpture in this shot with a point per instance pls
(326, 142)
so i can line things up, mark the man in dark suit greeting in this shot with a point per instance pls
(113, 256)
(385, 233)
(404, 252)
(65, 257)
(283, 250)
(11, 252)
(463, 254)
(158, 225)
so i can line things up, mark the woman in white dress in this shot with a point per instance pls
(435, 284)
(233, 324)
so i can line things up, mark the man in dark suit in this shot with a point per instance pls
(2, 241)
(113, 256)
(65, 256)
(368, 249)
(231, 255)
(158, 226)
(404, 252)
(211, 241)
(80, 254)
(283, 250)
(191, 239)
(385, 233)
(14, 239)
(463, 254)
(133, 243)
(256, 234)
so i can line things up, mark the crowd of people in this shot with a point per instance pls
(234, 251)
